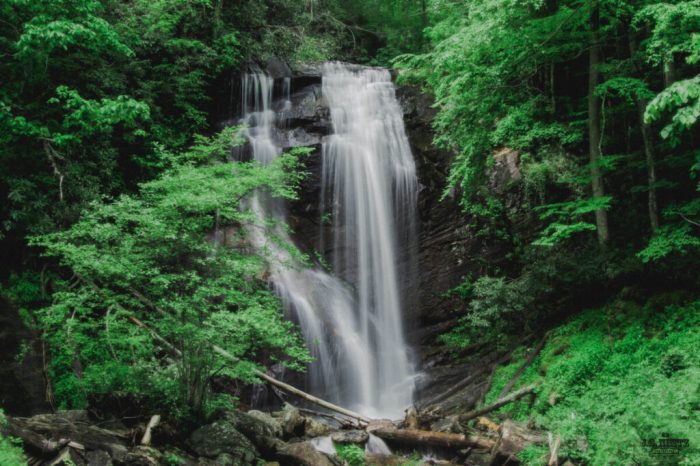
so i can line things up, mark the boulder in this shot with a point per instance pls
(262, 430)
(50, 433)
(277, 68)
(272, 423)
(303, 454)
(99, 458)
(292, 421)
(221, 437)
(314, 428)
(375, 459)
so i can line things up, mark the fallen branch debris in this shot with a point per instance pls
(499, 403)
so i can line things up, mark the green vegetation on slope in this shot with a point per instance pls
(613, 378)
(11, 453)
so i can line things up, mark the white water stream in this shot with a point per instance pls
(352, 319)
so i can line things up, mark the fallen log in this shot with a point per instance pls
(516, 395)
(268, 378)
(428, 438)
(293, 390)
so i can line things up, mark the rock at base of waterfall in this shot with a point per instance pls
(219, 438)
(261, 429)
(314, 428)
(292, 421)
(304, 454)
(357, 437)
(273, 424)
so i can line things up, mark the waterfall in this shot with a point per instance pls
(351, 319)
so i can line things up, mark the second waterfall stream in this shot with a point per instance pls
(353, 318)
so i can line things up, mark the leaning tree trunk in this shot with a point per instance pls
(594, 132)
(651, 166)
(649, 153)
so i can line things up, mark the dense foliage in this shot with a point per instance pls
(150, 292)
(514, 74)
(613, 378)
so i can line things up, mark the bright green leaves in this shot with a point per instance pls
(670, 239)
(679, 237)
(63, 25)
(86, 117)
(630, 89)
(675, 29)
(568, 218)
(175, 257)
(682, 99)
(614, 376)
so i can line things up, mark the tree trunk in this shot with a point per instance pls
(649, 153)
(669, 71)
(651, 166)
(594, 132)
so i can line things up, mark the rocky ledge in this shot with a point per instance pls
(282, 438)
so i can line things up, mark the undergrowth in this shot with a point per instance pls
(10, 449)
(614, 381)
(353, 454)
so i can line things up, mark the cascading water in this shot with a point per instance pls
(351, 319)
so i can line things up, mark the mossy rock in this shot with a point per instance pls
(222, 438)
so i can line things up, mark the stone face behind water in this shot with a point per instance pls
(357, 437)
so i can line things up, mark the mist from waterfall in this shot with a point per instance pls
(351, 319)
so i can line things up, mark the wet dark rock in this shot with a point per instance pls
(357, 437)
(314, 428)
(277, 68)
(221, 437)
(303, 454)
(263, 433)
(273, 424)
(374, 459)
(99, 458)
(49, 434)
(292, 421)
(313, 70)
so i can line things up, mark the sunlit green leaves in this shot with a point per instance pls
(176, 258)
(682, 100)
